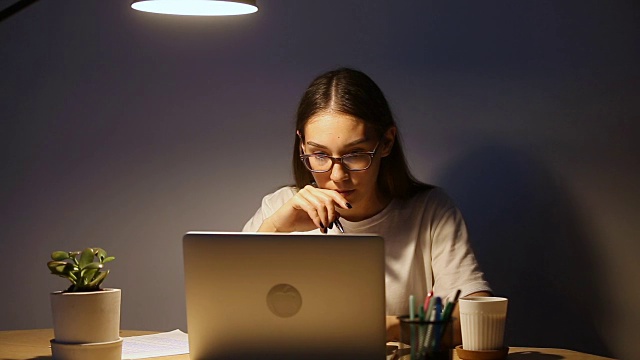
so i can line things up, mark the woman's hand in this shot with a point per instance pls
(311, 208)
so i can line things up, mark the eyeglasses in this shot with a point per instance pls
(357, 161)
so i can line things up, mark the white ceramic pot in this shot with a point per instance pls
(86, 317)
(111, 350)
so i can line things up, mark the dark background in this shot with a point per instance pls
(123, 130)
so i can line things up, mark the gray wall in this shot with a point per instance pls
(124, 130)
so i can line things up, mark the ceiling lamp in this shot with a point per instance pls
(196, 7)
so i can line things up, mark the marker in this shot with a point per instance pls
(427, 300)
(455, 298)
(429, 310)
(438, 328)
(437, 308)
(446, 314)
(412, 307)
(448, 309)
(429, 335)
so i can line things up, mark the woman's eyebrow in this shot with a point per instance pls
(353, 143)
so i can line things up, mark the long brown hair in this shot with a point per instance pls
(352, 92)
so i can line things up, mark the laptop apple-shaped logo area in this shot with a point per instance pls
(284, 300)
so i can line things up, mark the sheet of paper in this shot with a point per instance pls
(163, 344)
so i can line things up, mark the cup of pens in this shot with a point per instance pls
(422, 339)
(427, 335)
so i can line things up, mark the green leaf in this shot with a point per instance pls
(93, 265)
(56, 265)
(110, 258)
(87, 275)
(100, 253)
(99, 279)
(86, 257)
(59, 255)
(58, 272)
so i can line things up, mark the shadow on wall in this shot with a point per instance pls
(532, 246)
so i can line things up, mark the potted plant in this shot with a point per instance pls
(86, 317)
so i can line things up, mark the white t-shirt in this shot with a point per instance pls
(426, 246)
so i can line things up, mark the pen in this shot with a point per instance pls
(446, 314)
(428, 336)
(338, 225)
(427, 300)
(429, 310)
(448, 309)
(437, 308)
(412, 307)
(455, 298)
(446, 317)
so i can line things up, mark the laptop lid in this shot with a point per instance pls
(284, 296)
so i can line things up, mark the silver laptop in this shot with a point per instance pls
(284, 296)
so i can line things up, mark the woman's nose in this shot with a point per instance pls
(338, 172)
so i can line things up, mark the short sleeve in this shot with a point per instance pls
(453, 262)
(270, 203)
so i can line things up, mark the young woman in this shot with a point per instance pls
(349, 166)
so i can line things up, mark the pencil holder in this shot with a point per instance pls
(425, 340)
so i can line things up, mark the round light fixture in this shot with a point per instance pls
(196, 7)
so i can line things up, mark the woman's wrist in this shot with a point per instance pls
(268, 225)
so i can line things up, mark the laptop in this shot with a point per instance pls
(284, 296)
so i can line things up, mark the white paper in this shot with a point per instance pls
(163, 344)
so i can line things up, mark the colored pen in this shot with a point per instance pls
(412, 307)
(455, 298)
(448, 309)
(429, 310)
(446, 314)
(427, 300)
(438, 326)
(437, 308)
(429, 335)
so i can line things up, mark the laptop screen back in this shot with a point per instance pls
(284, 296)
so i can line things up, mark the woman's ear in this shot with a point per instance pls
(388, 139)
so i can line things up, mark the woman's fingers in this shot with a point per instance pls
(322, 206)
(310, 208)
(325, 203)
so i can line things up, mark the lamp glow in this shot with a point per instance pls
(196, 7)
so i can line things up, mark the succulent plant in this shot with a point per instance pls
(85, 269)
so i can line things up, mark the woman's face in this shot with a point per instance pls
(336, 134)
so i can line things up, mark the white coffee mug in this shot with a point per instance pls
(482, 320)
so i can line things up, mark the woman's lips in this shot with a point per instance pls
(345, 193)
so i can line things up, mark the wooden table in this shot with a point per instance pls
(34, 345)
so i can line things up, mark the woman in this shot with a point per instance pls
(350, 169)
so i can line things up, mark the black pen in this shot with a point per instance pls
(338, 225)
